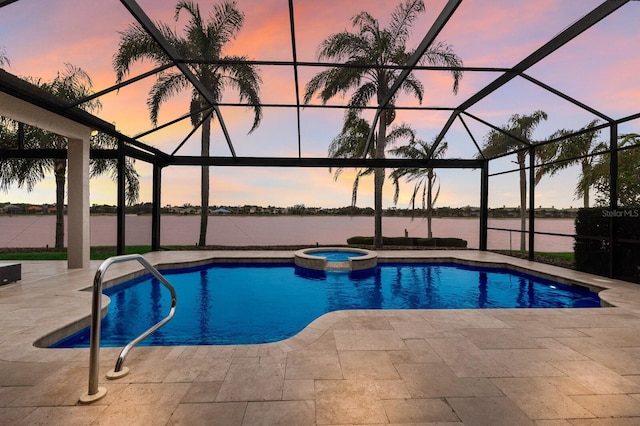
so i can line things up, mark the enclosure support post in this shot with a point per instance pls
(484, 204)
(120, 212)
(155, 212)
(613, 196)
(532, 201)
(20, 135)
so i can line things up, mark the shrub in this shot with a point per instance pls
(593, 255)
(409, 242)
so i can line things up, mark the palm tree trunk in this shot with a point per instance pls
(586, 198)
(429, 202)
(204, 184)
(59, 171)
(378, 180)
(523, 200)
(586, 176)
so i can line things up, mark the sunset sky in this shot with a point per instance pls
(600, 68)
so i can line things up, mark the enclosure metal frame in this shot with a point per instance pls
(132, 147)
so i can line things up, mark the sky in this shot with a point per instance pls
(599, 68)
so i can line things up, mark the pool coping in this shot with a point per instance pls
(612, 292)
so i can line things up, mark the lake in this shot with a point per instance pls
(229, 230)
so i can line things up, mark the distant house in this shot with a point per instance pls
(187, 210)
(221, 211)
(12, 209)
(52, 209)
(34, 209)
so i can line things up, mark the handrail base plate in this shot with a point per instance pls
(113, 375)
(88, 399)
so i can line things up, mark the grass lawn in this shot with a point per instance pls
(563, 259)
(97, 253)
(558, 255)
(104, 252)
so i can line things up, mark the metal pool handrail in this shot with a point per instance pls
(95, 392)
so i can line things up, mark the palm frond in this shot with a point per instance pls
(441, 53)
(315, 84)
(166, 86)
(435, 197)
(403, 131)
(195, 22)
(4, 59)
(73, 84)
(23, 172)
(340, 81)
(414, 195)
(225, 22)
(197, 44)
(365, 22)
(402, 17)
(246, 79)
(343, 46)
(132, 179)
(354, 189)
(136, 45)
(413, 86)
(362, 96)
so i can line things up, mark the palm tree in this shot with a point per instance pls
(629, 170)
(578, 149)
(424, 178)
(628, 173)
(71, 84)
(203, 41)
(379, 47)
(352, 141)
(24, 172)
(520, 128)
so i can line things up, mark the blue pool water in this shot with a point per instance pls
(336, 256)
(257, 303)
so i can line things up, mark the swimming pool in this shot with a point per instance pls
(250, 303)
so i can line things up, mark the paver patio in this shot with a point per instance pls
(472, 367)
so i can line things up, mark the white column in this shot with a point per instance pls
(78, 233)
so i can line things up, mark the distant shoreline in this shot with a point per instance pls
(442, 212)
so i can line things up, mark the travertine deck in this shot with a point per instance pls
(548, 367)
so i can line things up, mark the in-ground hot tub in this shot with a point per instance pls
(336, 259)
